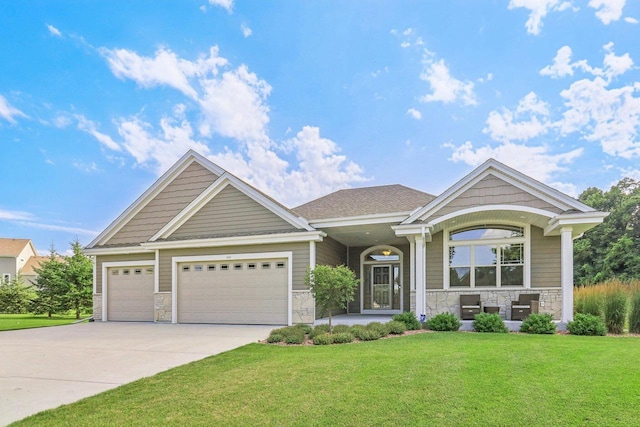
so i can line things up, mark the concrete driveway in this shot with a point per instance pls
(47, 367)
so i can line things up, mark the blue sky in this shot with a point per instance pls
(97, 99)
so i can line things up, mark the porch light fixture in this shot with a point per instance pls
(386, 252)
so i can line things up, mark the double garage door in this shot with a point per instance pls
(253, 291)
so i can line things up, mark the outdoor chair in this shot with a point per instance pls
(527, 304)
(470, 305)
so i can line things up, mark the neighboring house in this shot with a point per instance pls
(202, 246)
(28, 272)
(15, 255)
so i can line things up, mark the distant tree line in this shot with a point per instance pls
(612, 249)
(63, 284)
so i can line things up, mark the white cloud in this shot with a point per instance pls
(67, 229)
(226, 4)
(536, 162)
(561, 64)
(54, 31)
(613, 65)
(85, 167)
(246, 31)
(607, 11)
(90, 127)
(630, 20)
(444, 87)
(538, 10)
(529, 120)
(15, 215)
(413, 113)
(8, 112)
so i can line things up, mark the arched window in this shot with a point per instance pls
(486, 256)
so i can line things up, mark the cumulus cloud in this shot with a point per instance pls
(444, 87)
(413, 113)
(535, 161)
(8, 112)
(612, 64)
(607, 11)
(529, 120)
(538, 10)
(54, 31)
(226, 4)
(228, 102)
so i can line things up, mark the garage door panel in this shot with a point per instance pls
(130, 296)
(257, 295)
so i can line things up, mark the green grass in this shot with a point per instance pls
(10, 322)
(444, 379)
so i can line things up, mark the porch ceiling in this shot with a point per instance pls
(365, 235)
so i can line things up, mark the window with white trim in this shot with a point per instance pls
(486, 256)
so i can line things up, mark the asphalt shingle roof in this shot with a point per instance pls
(364, 201)
(12, 247)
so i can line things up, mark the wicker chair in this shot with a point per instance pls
(527, 304)
(470, 305)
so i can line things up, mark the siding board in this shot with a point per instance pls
(331, 252)
(545, 259)
(165, 206)
(118, 258)
(435, 267)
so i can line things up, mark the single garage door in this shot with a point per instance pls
(130, 294)
(240, 292)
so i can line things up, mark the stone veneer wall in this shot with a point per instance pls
(449, 301)
(303, 306)
(97, 306)
(162, 306)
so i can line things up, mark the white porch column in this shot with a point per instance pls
(419, 275)
(566, 269)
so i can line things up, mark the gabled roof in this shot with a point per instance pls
(33, 262)
(364, 201)
(512, 176)
(224, 177)
(13, 247)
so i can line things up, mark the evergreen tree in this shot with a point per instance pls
(78, 274)
(50, 286)
(15, 296)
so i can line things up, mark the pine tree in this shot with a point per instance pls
(79, 278)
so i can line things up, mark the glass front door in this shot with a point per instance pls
(381, 284)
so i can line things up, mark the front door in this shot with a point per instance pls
(381, 287)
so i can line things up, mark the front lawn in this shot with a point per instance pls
(10, 322)
(425, 379)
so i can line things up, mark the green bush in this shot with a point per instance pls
(485, 322)
(341, 329)
(274, 338)
(409, 319)
(444, 322)
(294, 338)
(319, 330)
(342, 337)
(378, 328)
(615, 311)
(322, 339)
(366, 334)
(538, 324)
(396, 327)
(587, 324)
(306, 329)
(634, 314)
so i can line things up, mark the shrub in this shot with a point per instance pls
(322, 339)
(615, 310)
(538, 324)
(294, 338)
(587, 324)
(318, 330)
(342, 337)
(378, 328)
(634, 314)
(444, 322)
(485, 322)
(306, 329)
(396, 327)
(366, 334)
(341, 329)
(589, 299)
(409, 319)
(274, 338)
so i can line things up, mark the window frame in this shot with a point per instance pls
(472, 243)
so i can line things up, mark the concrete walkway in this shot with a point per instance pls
(46, 367)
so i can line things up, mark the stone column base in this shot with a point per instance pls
(162, 307)
(303, 307)
(97, 306)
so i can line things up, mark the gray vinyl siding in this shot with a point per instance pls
(435, 267)
(118, 258)
(232, 212)
(493, 191)
(545, 259)
(300, 259)
(331, 252)
(165, 206)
